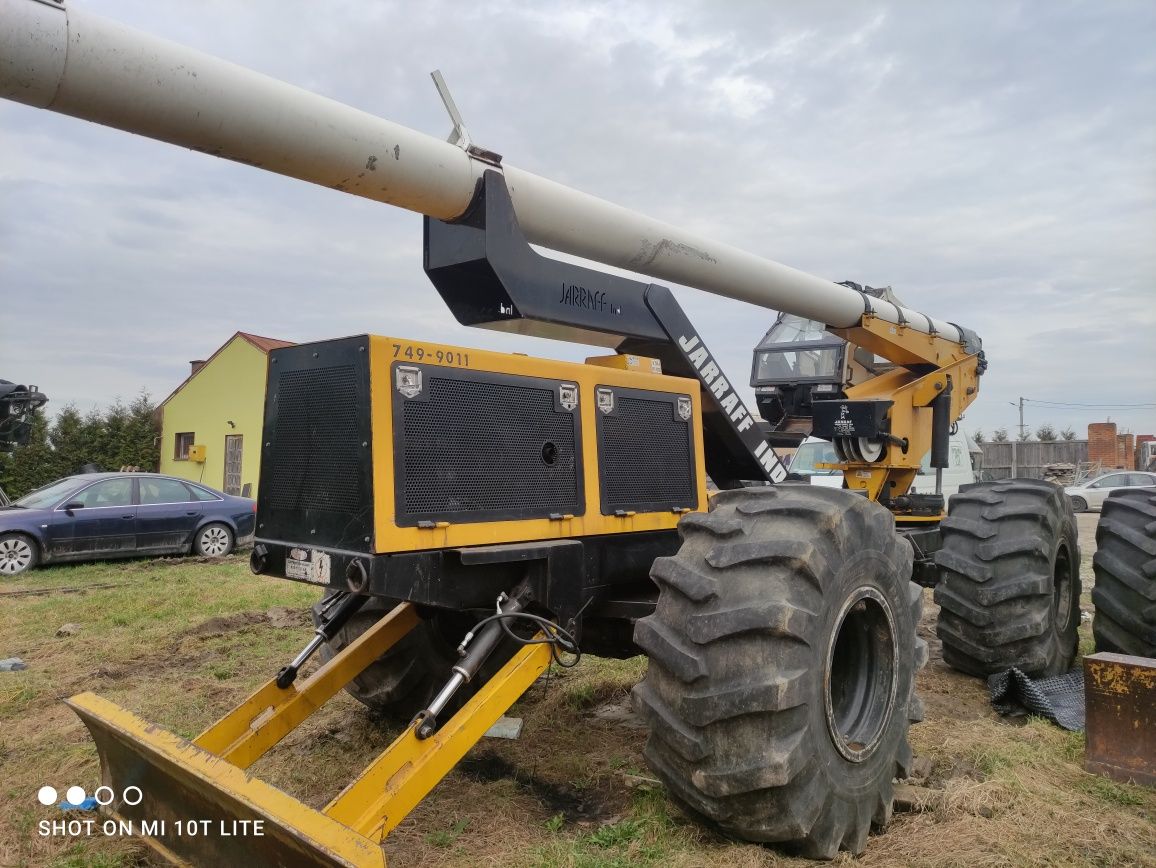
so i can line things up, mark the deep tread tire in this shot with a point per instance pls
(1125, 567)
(1009, 588)
(735, 693)
(403, 680)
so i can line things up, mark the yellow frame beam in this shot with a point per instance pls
(409, 768)
(245, 734)
(205, 780)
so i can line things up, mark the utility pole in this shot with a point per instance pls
(1022, 432)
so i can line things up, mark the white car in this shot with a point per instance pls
(1091, 493)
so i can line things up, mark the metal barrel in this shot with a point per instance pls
(60, 57)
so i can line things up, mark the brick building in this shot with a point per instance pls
(1114, 451)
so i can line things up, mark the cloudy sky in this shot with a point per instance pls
(994, 162)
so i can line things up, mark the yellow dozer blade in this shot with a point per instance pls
(195, 804)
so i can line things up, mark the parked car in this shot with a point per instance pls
(112, 515)
(1091, 493)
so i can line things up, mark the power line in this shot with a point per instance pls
(1142, 406)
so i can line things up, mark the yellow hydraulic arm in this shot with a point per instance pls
(927, 366)
(186, 785)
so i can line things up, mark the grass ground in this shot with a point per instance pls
(179, 642)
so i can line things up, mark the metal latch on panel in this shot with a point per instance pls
(568, 396)
(408, 380)
(605, 400)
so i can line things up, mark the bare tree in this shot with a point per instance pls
(1046, 433)
(999, 435)
(1068, 433)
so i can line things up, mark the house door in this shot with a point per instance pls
(233, 463)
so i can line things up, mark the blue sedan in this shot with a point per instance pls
(111, 515)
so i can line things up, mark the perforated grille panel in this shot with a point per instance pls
(316, 449)
(479, 446)
(645, 458)
(316, 465)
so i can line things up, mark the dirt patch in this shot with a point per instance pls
(946, 694)
(620, 713)
(281, 617)
(221, 625)
(110, 673)
(575, 805)
(187, 648)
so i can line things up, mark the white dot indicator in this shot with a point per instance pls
(75, 795)
(46, 796)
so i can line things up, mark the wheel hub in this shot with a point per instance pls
(214, 541)
(1062, 590)
(15, 555)
(860, 674)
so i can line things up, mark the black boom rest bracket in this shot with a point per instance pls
(490, 277)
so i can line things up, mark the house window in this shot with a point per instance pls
(182, 444)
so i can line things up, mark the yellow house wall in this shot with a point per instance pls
(230, 387)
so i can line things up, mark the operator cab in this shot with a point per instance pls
(797, 359)
(798, 362)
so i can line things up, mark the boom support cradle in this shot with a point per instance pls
(490, 277)
(205, 779)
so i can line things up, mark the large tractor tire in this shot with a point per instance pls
(1009, 587)
(403, 680)
(1125, 566)
(782, 658)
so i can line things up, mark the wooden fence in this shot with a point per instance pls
(1028, 460)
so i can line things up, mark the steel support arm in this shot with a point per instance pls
(486, 271)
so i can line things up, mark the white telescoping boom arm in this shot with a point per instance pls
(56, 56)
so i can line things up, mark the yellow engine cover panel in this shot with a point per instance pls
(476, 448)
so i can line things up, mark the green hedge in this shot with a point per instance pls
(119, 436)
